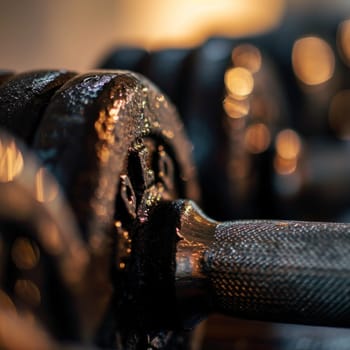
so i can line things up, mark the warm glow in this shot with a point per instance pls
(239, 82)
(313, 60)
(247, 56)
(344, 40)
(51, 238)
(24, 254)
(285, 166)
(6, 304)
(28, 292)
(339, 114)
(235, 108)
(11, 160)
(171, 23)
(257, 138)
(45, 190)
(288, 144)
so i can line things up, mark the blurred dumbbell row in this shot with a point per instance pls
(268, 117)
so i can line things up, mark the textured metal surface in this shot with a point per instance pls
(286, 271)
(24, 97)
(282, 271)
(87, 131)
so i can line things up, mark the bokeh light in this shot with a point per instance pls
(235, 108)
(313, 60)
(239, 82)
(288, 144)
(247, 56)
(11, 160)
(257, 138)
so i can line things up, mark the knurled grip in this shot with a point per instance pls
(281, 271)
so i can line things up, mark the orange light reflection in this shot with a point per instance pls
(156, 24)
(28, 292)
(239, 82)
(45, 190)
(257, 138)
(11, 160)
(247, 56)
(288, 144)
(313, 60)
(6, 302)
(236, 109)
(285, 166)
(24, 254)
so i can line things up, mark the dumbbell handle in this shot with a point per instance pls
(283, 271)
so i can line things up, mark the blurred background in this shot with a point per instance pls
(74, 34)
(263, 87)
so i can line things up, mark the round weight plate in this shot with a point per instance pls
(202, 111)
(91, 126)
(130, 58)
(24, 97)
(118, 149)
(168, 69)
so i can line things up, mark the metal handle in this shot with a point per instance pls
(285, 271)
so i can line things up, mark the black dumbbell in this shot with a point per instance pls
(24, 98)
(123, 123)
(128, 58)
(155, 262)
(193, 79)
(306, 108)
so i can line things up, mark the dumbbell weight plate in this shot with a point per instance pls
(129, 58)
(89, 128)
(169, 70)
(202, 111)
(24, 97)
(117, 148)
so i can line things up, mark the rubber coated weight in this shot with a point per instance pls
(128, 58)
(248, 163)
(168, 69)
(88, 130)
(117, 148)
(43, 259)
(24, 97)
(202, 108)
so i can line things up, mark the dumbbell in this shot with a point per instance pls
(140, 119)
(193, 80)
(276, 191)
(155, 262)
(306, 110)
